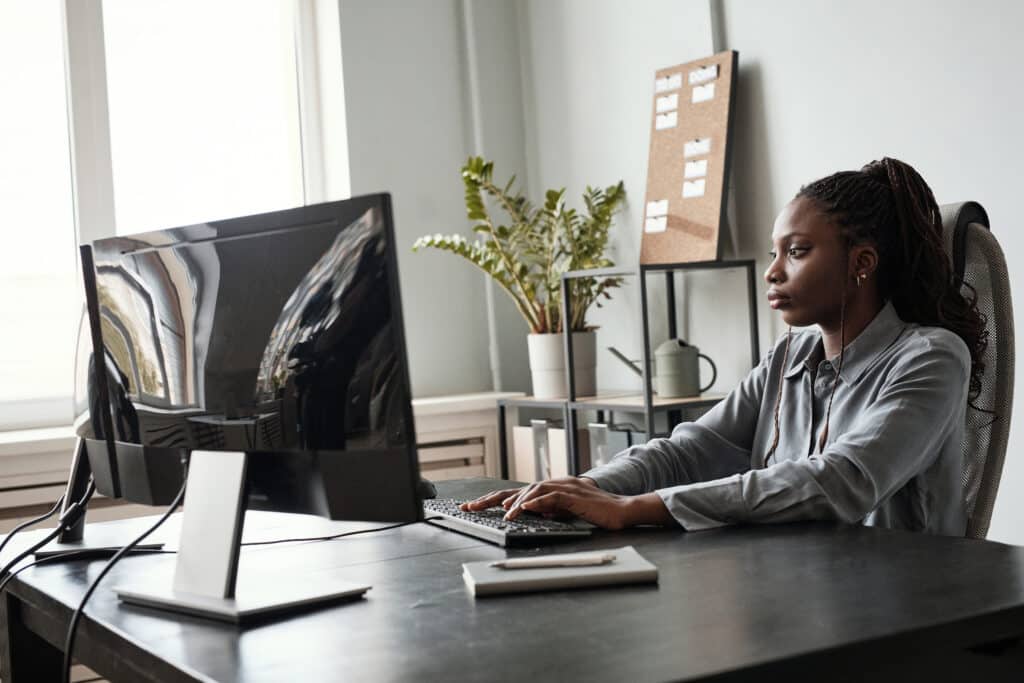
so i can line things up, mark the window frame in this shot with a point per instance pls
(322, 141)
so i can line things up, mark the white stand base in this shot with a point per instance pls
(267, 601)
(206, 568)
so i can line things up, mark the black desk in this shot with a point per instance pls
(831, 601)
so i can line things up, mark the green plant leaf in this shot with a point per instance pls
(527, 254)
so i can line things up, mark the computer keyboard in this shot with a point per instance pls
(489, 525)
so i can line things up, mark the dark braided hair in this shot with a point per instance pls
(888, 204)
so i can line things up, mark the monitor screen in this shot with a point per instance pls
(279, 335)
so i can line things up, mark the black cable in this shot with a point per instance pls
(68, 518)
(341, 535)
(77, 555)
(24, 525)
(69, 641)
(31, 549)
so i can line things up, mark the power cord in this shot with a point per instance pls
(68, 519)
(69, 641)
(341, 535)
(24, 525)
(77, 555)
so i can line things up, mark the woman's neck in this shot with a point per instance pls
(860, 311)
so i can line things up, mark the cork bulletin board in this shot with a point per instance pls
(688, 164)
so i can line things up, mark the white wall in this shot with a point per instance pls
(494, 97)
(589, 81)
(409, 134)
(831, 85)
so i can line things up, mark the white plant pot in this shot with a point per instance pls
(547, 364)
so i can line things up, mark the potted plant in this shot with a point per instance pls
(527, 255)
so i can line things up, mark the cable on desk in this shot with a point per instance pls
(68, 519)
(77, 555)
(24, 525)
(69, 641)
(341, 535)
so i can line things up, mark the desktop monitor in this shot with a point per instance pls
(268, 353)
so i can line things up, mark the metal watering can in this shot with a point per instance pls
(677, 369)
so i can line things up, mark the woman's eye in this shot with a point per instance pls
(797, 252)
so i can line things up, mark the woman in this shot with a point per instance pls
(860, 419)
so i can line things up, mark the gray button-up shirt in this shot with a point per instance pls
(892, 458)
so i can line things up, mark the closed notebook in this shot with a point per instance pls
(628, 567)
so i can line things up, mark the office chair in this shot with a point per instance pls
(978, 261)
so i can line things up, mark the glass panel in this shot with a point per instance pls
(39, 292)
(203, 100)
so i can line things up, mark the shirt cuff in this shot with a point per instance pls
(706, 504)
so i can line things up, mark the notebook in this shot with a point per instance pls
(627, 567)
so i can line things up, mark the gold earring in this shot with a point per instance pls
(860, 278)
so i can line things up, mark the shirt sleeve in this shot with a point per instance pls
(716, 445)
(894, 438)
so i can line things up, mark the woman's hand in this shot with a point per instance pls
(579, 497)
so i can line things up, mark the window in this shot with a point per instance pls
(39, 300)
(213, 110)
(204, 110)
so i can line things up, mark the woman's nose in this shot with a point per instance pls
(774, 273)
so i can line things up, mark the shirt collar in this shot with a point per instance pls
(861, 353)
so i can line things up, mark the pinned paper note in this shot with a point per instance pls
(667, 103)
(657, 216)
(703, 93)
(693, 188)
(696, 169)
(656, 224)
(667, 83)
(698, 147)
(663, 121)
(704, 74)
(657, 208)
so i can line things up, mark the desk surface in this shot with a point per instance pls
(769, 600)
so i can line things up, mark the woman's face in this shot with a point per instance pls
(808, 269)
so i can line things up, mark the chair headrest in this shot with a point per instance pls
(955, 219)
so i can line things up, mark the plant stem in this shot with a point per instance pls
(532, 319)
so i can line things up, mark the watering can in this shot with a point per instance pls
(676, 369)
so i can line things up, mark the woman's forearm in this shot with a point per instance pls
(648, 508)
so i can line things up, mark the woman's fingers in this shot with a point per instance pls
(602, 509)
(513, 499)
(532, 492)
(513, 504)
(490, 500)
(550, 503)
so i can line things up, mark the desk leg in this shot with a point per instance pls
(24, 656)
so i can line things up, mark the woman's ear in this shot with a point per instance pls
(863, 262)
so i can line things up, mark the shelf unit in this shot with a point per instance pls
(645, 402)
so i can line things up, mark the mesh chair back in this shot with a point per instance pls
(979, 262)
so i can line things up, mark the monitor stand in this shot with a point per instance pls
(100, 540)
(207, 564)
